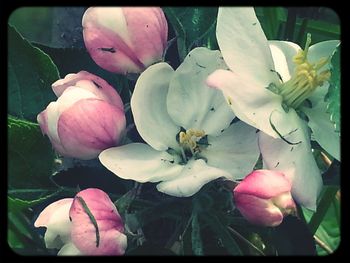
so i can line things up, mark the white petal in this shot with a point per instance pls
(322, 127)
(323, 49)
(140, 162)
(244, 45)
(58, 226)
(69, 249)
(191, 103)
(195, 174)
(254, 105)
(148, 105)
(282, 54)
(111, 18)
(235, 150)
(296, 162)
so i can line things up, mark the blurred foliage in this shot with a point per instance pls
(333, 95)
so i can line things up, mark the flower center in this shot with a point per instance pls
(188, 140)
(305, 78)
(191, 142)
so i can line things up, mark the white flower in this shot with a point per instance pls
(266, 82)
(187, 128)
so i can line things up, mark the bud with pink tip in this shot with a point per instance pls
(264, 197)
(105, 235)
(87, 118)
(125, 39)
(73, 225)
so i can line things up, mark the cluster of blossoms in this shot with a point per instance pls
(210, 118)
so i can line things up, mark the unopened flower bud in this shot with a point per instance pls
(125, 39)
(264, 197)
(87, 118)
(88, 224)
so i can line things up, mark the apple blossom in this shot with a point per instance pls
(267, 82)
(264, 197)
(89, 224)
(87, 117)
(187, 128)
(125, 39)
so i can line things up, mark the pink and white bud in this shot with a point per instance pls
(125, 39)
(70, 228)
(264, 197)
(87, 118)
(108, 237)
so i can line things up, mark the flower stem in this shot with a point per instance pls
(245, 240)
(322, 208)
(323, 245)
(290, 24)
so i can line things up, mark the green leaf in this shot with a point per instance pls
(21, 233)
(30, 156)
(30, 75)
(292, 237)
(191, 24)
(58, 27)
(334, 91)
(271, 19)
(326, 221)
(197, 246)
(221, 231)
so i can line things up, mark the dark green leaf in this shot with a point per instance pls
(58, 27)
(221, 231)
(334, 91)
(150, 249)
(21, 233)
(292, 237)
(328, 231)
(197, 246)
(30, 156)
(271, 19)
(191, 24)
(30, 75)
(92, 177)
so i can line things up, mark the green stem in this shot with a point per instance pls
(322, 208)
(290, 24)
(302, 30)
(242, 238)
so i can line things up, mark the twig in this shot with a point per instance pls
(323, 245)
(325, 159)
(245, 240)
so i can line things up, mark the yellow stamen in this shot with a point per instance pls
(305, 78)
(190, 138)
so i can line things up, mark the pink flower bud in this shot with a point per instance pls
(264, 197)
(105, 235)
(87, 118)
(125, 39)
(70, 228)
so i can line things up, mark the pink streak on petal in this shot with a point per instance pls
(44, 217)
(258, 211)
(264, 184)
(108, 220)
(90, 126)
